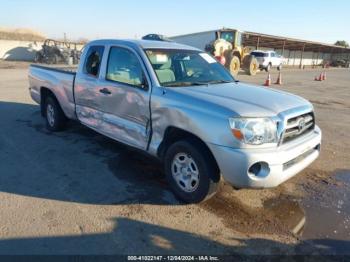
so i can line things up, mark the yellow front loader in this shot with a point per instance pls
(228, 45)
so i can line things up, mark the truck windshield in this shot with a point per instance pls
(228, 36)
(186, 68)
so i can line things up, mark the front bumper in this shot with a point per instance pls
(282, 162)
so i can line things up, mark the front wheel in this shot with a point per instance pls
(234, 65)
(191, 173)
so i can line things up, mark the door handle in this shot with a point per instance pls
(105, 91)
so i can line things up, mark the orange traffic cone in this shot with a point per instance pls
(320, 77)
(324, 76)
(279, 79)
(268, 80)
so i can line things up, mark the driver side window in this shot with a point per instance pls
(124, 67)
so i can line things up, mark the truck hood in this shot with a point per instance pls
(245, 100)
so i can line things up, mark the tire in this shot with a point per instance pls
(54, 116)
(38, 57)
(268, 68)
(55, 59)
(251, 65)
(234, 65)
(200, 167)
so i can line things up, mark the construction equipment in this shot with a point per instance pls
(228, 43)
(54, 52)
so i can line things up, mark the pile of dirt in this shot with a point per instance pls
(22, 34)
(244, 218)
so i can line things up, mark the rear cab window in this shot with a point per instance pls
(93, 61)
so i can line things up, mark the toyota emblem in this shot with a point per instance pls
(301, 124)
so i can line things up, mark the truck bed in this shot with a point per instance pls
(58, 80)
(60, 69)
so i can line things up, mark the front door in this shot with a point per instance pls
(125, 97)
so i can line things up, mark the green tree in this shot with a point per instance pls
(342, 43)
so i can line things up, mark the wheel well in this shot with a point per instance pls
(236, 53)
(44, 94)
(174, 134)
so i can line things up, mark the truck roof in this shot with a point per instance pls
(144, 44)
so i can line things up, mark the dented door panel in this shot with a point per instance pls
(126, 114)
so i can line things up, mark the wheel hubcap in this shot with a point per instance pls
(50, 114)
(185, 172)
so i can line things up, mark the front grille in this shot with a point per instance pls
(298, 126)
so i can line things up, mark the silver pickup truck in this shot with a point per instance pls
(177, 103)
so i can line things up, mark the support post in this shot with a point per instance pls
(294, 57)
(318, 54)
(343, 54)
(331, 56)
(301, 58)
(284, 44)
(288, 57)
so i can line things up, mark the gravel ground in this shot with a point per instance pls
(77, 192)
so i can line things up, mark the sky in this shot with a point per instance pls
(317, 20)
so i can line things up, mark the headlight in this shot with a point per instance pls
(254, 131)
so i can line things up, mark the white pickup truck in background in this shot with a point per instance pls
(268, 59)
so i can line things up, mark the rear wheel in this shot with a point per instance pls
(251, 65)
(55, 118)
(191, 173)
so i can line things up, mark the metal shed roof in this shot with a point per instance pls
(280, 42)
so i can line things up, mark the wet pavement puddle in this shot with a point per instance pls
(324, 219)
(328, 219)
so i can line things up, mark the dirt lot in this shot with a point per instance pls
(77, 192)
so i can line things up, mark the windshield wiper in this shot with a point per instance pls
(185, 84)
(219, 82)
